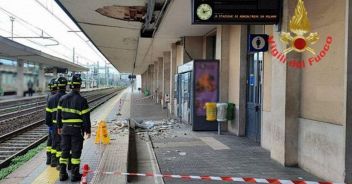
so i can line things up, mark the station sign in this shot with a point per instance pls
(258, 43)
(236, 11)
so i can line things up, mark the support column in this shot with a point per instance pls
(42, 81)
(160, 79)
(286, 105)
(20, 78)
(222, 54)
(166, 77)
(173, 70)
(151, 79)
(179, 54)
(146, 79)
(55, 73)
(143, 80)
(348, 152)
(237, 75)
(155, 81)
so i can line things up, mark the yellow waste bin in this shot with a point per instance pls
(210, 111)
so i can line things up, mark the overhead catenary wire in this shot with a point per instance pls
(76, 33)
(67, 57)
(37, 31)
(30, 27)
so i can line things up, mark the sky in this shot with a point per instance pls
(36, 18)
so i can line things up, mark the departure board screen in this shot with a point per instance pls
(236, 11)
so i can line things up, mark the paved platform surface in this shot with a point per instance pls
(181, 151)
(35, 171)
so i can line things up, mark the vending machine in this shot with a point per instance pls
(197, 84)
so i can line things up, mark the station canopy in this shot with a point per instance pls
(114, 27)
(10, 49)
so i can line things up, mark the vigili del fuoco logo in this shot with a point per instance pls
(299, 40)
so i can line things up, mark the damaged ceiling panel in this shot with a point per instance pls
(127, 13)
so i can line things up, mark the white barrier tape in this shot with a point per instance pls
(217, 178)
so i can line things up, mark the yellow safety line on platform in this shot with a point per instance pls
(50, 175)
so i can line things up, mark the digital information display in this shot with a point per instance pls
(236, 11)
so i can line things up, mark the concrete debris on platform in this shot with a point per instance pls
(118, 126)
(161, 128)
(115, 127)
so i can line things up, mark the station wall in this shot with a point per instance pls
(319, 139)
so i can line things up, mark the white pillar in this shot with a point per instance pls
(160, 79)
(20, 78)
(55, 72)
(42, 81)
(173, 70)
(166, 77)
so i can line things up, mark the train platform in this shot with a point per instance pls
(97, 155)
(160, 146)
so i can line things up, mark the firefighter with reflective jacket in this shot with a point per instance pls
(52, 87)
(51, 110)
(73, 119)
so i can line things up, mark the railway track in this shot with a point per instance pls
(22, 139)
(12, 106)
(14, 120)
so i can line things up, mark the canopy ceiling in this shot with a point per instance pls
(118, 38)
(13, 50)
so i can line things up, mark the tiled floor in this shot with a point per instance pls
(184, 152)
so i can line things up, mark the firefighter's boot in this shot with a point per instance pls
(54, 160)
(58, 167)
(75, 176)
(63, 172)
(48, 158)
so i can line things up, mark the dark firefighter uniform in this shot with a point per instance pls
(51, 110)
(73, 119)
(52, 87)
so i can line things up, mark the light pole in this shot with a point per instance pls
(98, 74)
(12, 19)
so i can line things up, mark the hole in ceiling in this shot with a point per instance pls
(126, 13)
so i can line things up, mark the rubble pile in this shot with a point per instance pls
(161, 128)
(118, 127)
(115, 127)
